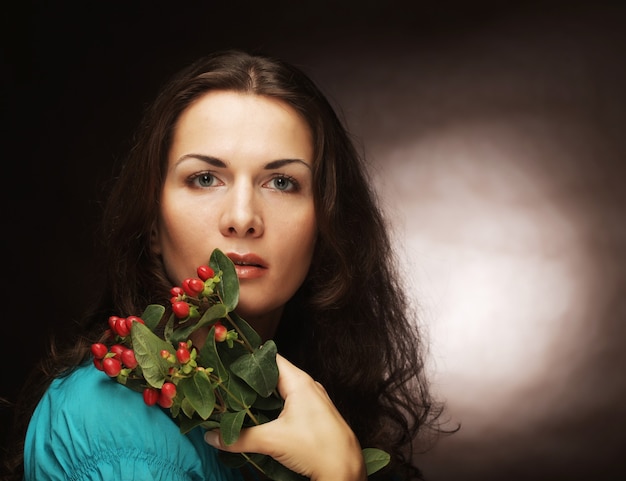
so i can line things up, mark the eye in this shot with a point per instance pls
(283, 183)
(202, 179)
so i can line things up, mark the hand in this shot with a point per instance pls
(309, 436)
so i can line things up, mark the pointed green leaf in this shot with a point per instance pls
(168, 330)
(228, 288)
(148, 346)
(375, 459)
(230, 426)
(152, 315)
(198, 392)
(258, 369)
(187, 408)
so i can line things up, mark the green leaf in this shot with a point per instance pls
(270, 403)
(186, 424)
(187, 408)
(152, 315)
(216, 311)
(258, 369)
(148, 347)
(246, 332)
(230, 426)
(237, 394)
(375, 459)
(256, 418)
(198, 393)
(209, 357)
(210, 424)
(228, 288)
(168, 330)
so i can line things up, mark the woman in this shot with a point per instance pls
(243, 153)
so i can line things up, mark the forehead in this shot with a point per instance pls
(233, 122)
(224, 105)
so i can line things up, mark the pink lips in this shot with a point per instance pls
(248, 266)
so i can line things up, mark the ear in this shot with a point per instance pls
(155, 245)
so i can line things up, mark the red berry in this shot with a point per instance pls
(193, 286)
(131, 319)
(118, 350)
(98, 363)
(111, 366)
(205, 272)
(177, 291)
(169, 389)
(150, 396)
(128, 358)
(220, 332)
(112, 322)
(181, 309)
(182, 354)
(165, 353)
(99, 350)
(165, 401)
(122, 327)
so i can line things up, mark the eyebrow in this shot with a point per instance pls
(214, 161)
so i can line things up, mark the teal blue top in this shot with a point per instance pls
(89, 427)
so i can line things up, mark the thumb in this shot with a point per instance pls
(250, 440)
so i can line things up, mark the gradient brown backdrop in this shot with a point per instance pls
(496, 136)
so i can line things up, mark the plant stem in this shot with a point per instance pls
(247, 408)
(240, 333)
(249, 459)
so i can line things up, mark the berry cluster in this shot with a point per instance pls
(119, 357)
(187, 301)
(186, 298)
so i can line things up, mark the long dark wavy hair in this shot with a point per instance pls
(350, 325)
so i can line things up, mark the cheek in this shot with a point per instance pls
(302, 240)
(181, 238)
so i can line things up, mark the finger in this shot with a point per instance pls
(291, 378)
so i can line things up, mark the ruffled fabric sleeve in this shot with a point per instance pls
(87, 427)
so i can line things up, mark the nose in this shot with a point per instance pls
(241, 215)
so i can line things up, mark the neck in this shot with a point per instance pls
(266, 324)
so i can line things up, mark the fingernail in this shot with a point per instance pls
(213, 438)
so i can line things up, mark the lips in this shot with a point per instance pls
(247, 260)
(248, 266)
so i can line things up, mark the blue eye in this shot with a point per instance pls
(281, 183)
(284, 183)
(204, 179)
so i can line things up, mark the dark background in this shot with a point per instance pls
(496, 132)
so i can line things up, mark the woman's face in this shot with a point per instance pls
(239, 178)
